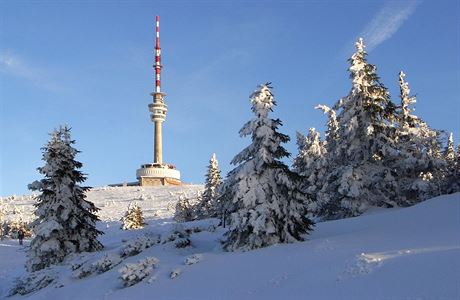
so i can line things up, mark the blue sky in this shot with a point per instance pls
(89, 64)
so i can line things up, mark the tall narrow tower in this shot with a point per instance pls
(158, 108)
(158, 173)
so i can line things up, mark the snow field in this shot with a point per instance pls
(156, 202)
(406, 253)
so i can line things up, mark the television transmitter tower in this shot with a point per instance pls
(158, 173)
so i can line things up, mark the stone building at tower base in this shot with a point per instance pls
(158, 174)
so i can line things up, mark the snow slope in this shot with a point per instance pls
(155, 201)
(408, 253)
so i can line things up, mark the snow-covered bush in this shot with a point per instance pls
(133, 218)
(180, 236)
(32, 282)
(175, 273)
(133, 273)
(66, 221)
(194, 229)
(185, 210)
(100, 266)
(178, 232)
(107, 262)
(193, 259)
(75, 261)
(136, 246)
(83, 271)
(183, 243)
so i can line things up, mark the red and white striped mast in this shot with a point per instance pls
(157, 56)
(158, 108)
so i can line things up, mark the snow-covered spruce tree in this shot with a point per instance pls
(457, 159)
(311, 150)
(449, 153)
(133, 218)
(65, 222)
(364, 149)
(268, 207)
(299, 163)
(457, 169)
(208, 206)
(310, 164)
(2, 218)
(332, 132)
(419, 165)
(329, 160)
(451, 180)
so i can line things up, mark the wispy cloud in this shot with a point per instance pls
(387, 22)
(16, 66)
(226, 59)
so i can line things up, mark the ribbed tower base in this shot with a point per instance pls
(158, 174)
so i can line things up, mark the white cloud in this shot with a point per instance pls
(18, 67)
(387, 22)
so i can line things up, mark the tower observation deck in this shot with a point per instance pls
(158, 173)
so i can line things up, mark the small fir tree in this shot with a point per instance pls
(449, 153)
(457, 170)
(2, 218)
(451, 180)
(208, 206)
(329, 161)
(133, 218)
(419, 161)
(185, 210)
(267, 207)
(407, 119)
(310, 164)
(332, 132)
(65, 222)
(457, 161)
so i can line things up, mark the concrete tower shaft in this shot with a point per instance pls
(158, 108)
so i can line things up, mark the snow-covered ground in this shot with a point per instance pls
(155, 201)
(406, 253)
